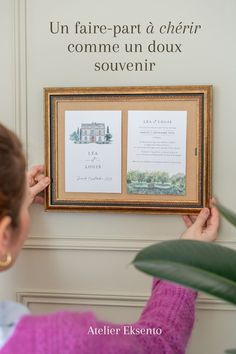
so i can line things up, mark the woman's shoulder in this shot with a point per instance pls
(11, 311)
(10, 314)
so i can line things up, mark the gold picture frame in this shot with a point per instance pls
(151, 193)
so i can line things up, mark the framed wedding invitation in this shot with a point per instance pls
(128, 149)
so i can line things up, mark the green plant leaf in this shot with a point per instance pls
(228, 214)
(199, 265)
(230, 351)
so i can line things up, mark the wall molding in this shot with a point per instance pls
(28, 297)
(80, 298)
(89, 243)
(20, 55)
(93, 243)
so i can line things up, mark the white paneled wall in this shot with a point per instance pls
(80, 261)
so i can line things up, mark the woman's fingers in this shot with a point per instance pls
(35, 170)
(212, 202)
(204, 227)
(187, 221)
(213, 221)
(34, 174)
(193, 218)
(40, 186)
(37, 182)
(202, 218)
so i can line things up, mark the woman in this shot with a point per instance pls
(165, 323)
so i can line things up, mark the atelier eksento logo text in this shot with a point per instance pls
(127, 330)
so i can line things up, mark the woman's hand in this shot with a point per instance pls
(203, 227)
(37, 182)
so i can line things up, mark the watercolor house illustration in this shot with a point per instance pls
(93, 132)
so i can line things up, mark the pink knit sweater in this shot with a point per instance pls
(164, 327)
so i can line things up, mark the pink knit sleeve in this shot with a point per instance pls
(171, 310)
(166, 322)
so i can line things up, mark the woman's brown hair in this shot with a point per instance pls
(12, 175)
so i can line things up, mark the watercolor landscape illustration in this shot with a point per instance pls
(158, 182)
